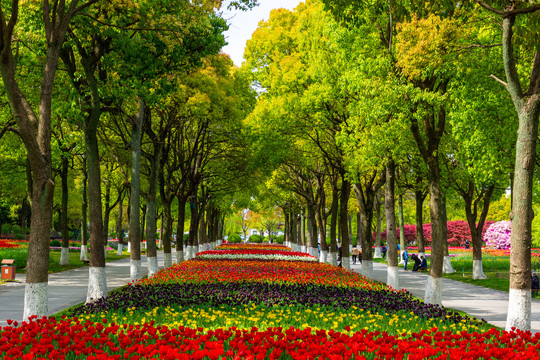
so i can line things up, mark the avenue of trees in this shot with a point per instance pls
(365, 102)
(344, 112)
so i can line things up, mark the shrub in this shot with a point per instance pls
(234, 238)
(19, 237)
(458, 232)
(280, 239)
(255, 239)
(498, 235)
(55, 243)
(6, 229)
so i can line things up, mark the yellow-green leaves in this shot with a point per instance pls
(427, 47)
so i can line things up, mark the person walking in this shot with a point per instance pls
(383, 251)
(354, 254)
(405, 257)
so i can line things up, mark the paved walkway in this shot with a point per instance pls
(69, 288)
(66, 288)
(480, 302)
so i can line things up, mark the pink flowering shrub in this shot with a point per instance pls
(458, 232)
(498, 235)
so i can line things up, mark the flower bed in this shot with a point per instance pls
(241, 246)
(9, 244)
(260, 309)
(254, 254)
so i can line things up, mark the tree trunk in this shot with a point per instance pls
(378, 253)
(107, 213)
(151, 216)
(333, 225)
(303, 232)
(323, 258)
(64, 256)
(419, 198)
(84, 210)
(135, 195)
(312, 230)
(527, 105)
(433, 294)
(343, 222)
(166, 235)
(391, 235)
(119, 228)
(203, 239)
(447, 264)
(180, 229)
(193, 245)
(402, 241)
(476, 230)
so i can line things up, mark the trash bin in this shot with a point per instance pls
(8, 269)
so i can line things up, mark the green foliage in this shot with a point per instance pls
(256, 239)
(234, 238)
(280, 239)
(55, 243)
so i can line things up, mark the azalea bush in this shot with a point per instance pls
(458, 232)
(498, 235)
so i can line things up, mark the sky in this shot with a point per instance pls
(242, 24)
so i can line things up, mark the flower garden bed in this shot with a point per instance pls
(261, 309)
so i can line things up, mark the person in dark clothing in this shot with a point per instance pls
(535, 283)
(383, 251)
(423, 264)
(417, 262)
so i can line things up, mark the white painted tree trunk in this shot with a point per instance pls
(346, 262)
(36, 300)
(392, 277)
(313, 251)
(367, 268)
(179, 256)
(97, 284)
(129, 247)
(378, 253)
(119, 251)
(64, 256)
(433, 294)
(167, 260)
(135, 270)
(447, 266)
(152, 264)
(519, 310)
(478, 271)
(323, 257)
(84, 252)
(401, 261)
(333, 258)
(304, 248)
(350, 247)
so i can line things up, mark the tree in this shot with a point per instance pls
(35, 130)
